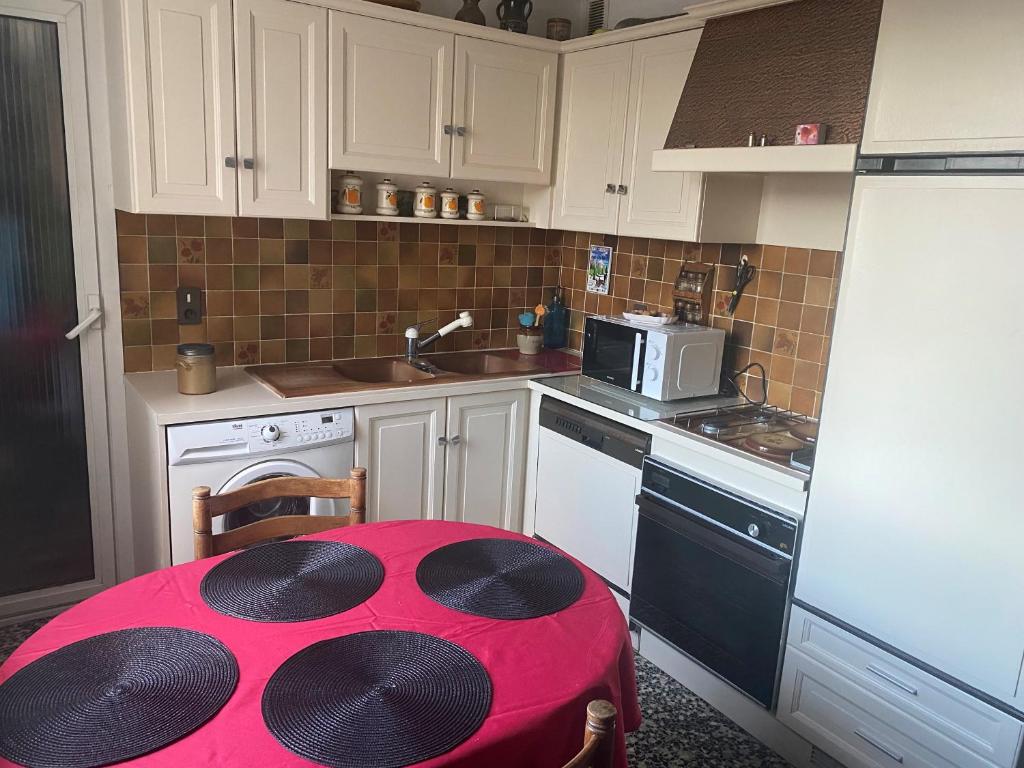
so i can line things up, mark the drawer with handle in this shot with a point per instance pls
(929, 705)
(856, 727)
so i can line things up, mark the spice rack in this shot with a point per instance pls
(692, 292)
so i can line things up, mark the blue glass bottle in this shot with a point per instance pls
(556, 322)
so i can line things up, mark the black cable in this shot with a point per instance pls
(744, 274)
(764, 383)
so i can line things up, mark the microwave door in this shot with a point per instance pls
(614, 353)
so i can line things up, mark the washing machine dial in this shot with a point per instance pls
(270, 433)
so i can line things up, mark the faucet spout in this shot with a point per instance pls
(413, 343)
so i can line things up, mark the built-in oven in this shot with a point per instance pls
(711, 576)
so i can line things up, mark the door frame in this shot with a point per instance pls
(86, 128)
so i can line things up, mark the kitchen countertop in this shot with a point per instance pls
(775, 486)
(239, 395)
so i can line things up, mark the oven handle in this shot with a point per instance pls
(722, 542)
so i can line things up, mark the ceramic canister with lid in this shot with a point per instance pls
(477, 210)
(449, 204)
(387, 198)
(426, 201)
(197, 372)
(351, 193)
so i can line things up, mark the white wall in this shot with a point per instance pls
(574, 10)
(542, 11)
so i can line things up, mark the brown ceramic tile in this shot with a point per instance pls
(245, 251)
(272, 302)
(130, 223)
(797, 261)
(138, 359)
(822, 264)
(789, 315)
(219, 277)
(189, 226)
(218, 250)
(271, 277)
(271, 229)
(134, 277)
(819, 291)
(272, 351)
(131, 249)
(163, 304)
(271, 251)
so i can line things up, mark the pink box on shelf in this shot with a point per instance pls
(811, 133)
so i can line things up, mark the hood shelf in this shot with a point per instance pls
(817, 158)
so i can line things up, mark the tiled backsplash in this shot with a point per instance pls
(784, 320)
(283, 291)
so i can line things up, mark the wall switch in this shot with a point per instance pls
(190, 306)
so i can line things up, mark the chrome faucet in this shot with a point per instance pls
(413, 344)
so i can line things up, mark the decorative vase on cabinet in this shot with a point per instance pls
(514, 15)
(470, 12)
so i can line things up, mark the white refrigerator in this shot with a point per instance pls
(914, 533)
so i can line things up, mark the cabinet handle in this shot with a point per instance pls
(248, 163)
(455, 440)
(879, 745)
(449, 130)
(892, 679)
(230, 162)
(442, 441)
(623, 189)
(460, 130)
(609, 189)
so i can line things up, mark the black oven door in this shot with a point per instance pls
(716, 596)
(614, 353)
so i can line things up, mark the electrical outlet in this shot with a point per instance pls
(190, 306)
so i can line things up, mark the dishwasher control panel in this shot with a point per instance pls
(609, 437)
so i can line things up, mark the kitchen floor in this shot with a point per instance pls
(679, 728)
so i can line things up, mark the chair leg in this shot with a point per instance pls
(601, 722)
(202, 522)
(358, 498)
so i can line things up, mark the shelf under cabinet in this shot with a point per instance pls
(438, 220)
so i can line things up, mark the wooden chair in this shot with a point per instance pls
(598, 737)
(205, 507)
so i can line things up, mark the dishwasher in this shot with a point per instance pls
(589, 472)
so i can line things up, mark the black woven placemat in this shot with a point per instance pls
(379, 699)
(113, 697)
(500, 578)
(292, 581)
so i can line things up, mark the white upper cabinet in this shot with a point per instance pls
(281, 73)
(948, 77)
(503, 112)
(178, 87)
(390, 96)
(618, 103)
(657, 204)
(595, 93)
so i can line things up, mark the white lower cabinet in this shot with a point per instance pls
(870, 709)
(398, 443)
(485, 459)
(460, 458)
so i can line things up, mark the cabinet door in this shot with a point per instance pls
(391, 95)
(595, 87)
(505, 107)
(181, 102)
(665, 205)
(486, 458)
(947, 79)
(282, 109)
(398, 445)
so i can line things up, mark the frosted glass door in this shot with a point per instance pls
(54, 477)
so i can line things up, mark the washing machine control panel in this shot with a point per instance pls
(298, 430)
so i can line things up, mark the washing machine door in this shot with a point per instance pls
(263, 510)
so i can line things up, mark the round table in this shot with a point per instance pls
(543, 671)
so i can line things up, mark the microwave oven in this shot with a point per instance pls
(667, 362)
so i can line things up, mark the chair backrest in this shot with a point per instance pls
(598, 737)
(205, 507)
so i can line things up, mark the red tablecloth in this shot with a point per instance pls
(543, 671)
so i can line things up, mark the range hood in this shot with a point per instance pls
(767, 71)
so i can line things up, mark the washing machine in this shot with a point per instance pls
(226, 455)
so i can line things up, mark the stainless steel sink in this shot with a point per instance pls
(482, 364)
(381, 371)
